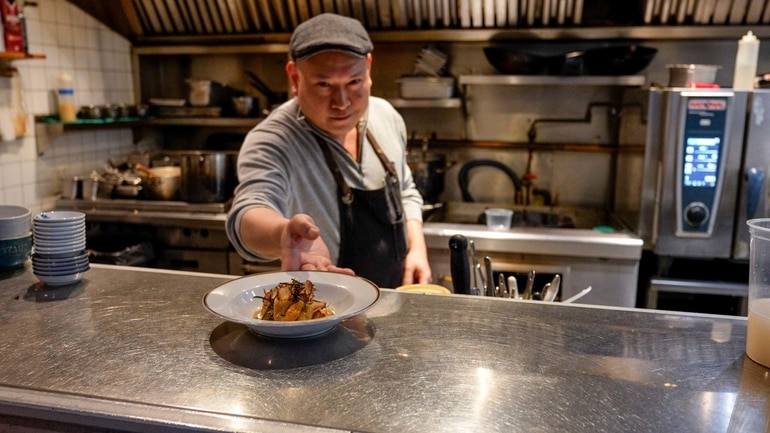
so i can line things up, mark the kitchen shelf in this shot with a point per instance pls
(552, 80)
(237, 122)
(278, 42)
(48, 128)
(13, 55)
(426, 103)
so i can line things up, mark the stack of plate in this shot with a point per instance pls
(59, 247)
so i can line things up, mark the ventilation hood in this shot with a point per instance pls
(169, 22)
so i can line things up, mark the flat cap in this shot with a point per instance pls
(329, 32)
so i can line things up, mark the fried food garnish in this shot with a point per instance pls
(291, 302)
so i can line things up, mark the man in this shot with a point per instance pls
(323, 181)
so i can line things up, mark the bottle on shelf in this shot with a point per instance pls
(746, 62)
(66, 99)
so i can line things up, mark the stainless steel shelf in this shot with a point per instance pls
(551, 80)
(278, 42)
(46, 132)
(426, 103)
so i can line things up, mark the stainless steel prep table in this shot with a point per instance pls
(134, 349)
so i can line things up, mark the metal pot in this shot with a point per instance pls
(689, 75)
(207, 176)
(162, 183)
(428, 172)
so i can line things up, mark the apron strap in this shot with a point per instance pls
(346, 195)
(383, 159)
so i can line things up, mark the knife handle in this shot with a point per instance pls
(459, 265)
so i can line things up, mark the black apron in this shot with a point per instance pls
(372, 224)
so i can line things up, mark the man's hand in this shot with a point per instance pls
(303, 249)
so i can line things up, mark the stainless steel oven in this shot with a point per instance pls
(705, 174)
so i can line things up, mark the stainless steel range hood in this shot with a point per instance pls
(170, 22)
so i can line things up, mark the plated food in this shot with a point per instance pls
(289, 301)
(237, 300)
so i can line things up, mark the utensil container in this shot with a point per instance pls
(758, 328)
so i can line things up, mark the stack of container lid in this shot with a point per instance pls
(15, 237)
(59, 238)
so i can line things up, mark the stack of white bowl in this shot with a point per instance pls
(15, 236)
(59, 247)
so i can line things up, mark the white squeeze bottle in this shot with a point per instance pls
(746, 62)
(66, 97)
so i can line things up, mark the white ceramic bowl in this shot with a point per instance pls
(59, 217)
(15, 221)
(238, 299)
(61, 280)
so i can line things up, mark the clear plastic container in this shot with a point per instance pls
(498, 219)
(758, 328)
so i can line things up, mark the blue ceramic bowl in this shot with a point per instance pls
(15, 252)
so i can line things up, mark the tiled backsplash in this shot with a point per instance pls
(99, 60)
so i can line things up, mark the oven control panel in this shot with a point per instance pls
(701, 150)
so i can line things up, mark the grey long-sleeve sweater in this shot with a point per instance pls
(281, 167)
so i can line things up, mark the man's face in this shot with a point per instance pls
(332, 89)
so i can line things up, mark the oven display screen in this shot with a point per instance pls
(701, 161)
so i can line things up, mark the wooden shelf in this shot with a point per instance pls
(12, 55)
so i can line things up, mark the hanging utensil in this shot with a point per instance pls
(459, 266)
(490, 277)
(480, 283)
(530, 284)
(502, 290)
(551, 290)
(577, 296)
(557, 283)
(513, 288)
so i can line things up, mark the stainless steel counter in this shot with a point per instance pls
(134, 349)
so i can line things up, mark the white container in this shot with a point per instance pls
(426, 87)
(758, 325)
(498, 219)
(66, 98)
(746, 62)
(200, 92)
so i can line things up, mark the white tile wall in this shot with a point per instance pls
(99, 61)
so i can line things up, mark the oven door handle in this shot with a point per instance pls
(755, 178)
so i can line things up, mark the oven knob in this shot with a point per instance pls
(696, 213)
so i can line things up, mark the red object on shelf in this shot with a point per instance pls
(704, 86)
(13, 33)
